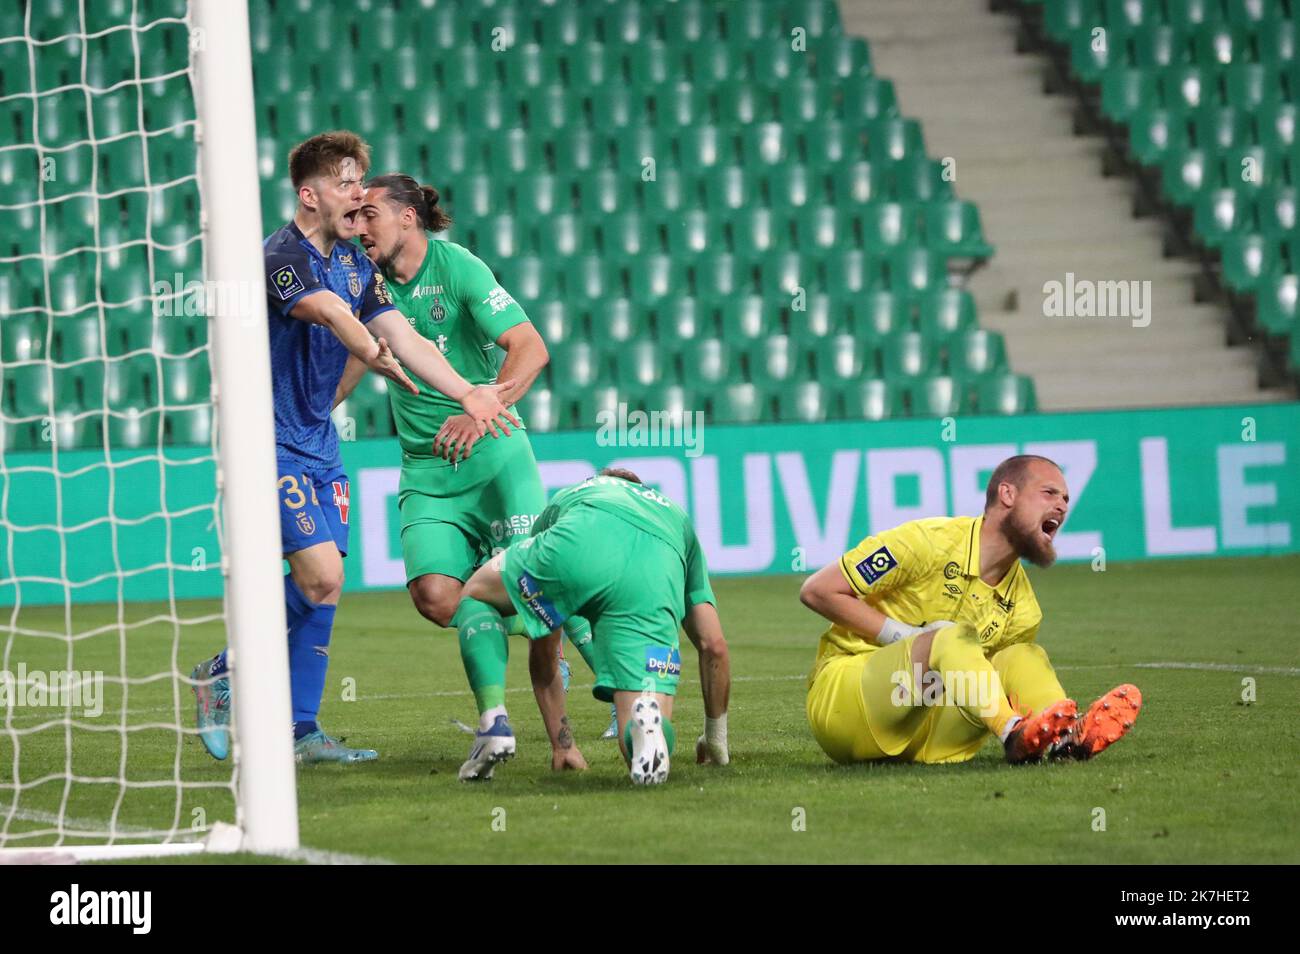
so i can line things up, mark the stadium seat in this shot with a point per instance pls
(839, 358)
(1006, 394)
(679, 320)
(541, 410)
(807, 402)
(976, 354)
(871, 399)
(1247, 259)
(746, 317)
(23, 338)
(740, 404)
(774, 361)
(908, 355)
(935, 397)
(1278, 309)
(708, 363)
(946, 312)
(617, 324)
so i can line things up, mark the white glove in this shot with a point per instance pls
(893, 631)
(712, 745)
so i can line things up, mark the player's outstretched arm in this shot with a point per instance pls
(704, 629)
(352, 373)
(548, 688)
(323, 307)
(422, 356)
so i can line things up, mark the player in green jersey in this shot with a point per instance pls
(625, 557)
(460, 499)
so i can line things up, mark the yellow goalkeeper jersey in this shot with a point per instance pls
(929, 570)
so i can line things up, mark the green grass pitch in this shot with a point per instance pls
(1204, 777)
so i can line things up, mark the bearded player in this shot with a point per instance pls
(944, 604)
(460, 500)
(627, 558)
(325, 302)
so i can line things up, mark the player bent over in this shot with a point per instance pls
(626, 558)
(944, 604)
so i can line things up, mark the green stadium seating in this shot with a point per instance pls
(790, 241)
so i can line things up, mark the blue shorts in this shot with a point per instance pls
(313, 506)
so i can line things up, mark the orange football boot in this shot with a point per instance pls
(1032, 737)
(1105, 723)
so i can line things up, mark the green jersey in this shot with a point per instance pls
(454, 300)
(647, 510)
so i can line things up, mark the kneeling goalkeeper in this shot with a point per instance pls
(626, 558)
(944, 604)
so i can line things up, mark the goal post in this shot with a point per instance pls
(136, 438)
(255, 618)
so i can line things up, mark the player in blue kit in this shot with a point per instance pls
(325, 300)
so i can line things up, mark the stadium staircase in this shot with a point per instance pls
(1194, 101)
(1045, 202)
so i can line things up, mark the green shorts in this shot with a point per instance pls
(630, 585)
(454, 517)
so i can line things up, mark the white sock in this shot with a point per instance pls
(486, 719)
(1006, 731)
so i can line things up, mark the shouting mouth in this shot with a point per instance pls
(1050, 526)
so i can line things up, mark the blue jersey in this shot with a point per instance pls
(307, 360)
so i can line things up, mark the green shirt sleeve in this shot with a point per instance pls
(492, 307)
(698, 589)
(545, 520)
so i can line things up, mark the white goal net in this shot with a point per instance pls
(116, 559)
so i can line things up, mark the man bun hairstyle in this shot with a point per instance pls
(405, 192)
(324, 155)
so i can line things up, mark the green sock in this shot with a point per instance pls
(670, 738)
(578, 631)
(484, 650)
(515, 626)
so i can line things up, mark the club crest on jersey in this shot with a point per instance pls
(877, 565)
(286, 282)
(342, 498)
(305, 523)
(354, 284)
(437, 312)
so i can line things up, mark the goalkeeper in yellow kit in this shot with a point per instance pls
(932, 646)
